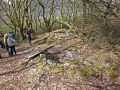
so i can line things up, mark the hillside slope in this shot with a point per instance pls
(69, 65)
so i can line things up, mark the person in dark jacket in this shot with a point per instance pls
(28, 35)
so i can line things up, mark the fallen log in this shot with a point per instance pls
(36, 53)
(59, 31)
(42, 39)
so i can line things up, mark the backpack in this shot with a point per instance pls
(5, 41)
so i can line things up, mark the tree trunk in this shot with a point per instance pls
(21, 34)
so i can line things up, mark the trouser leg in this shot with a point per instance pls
(11, 49)
(7, 48)
(29, 40)
(14, 49)
(2, 45)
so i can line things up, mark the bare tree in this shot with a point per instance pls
(15, 14)
(42, 14)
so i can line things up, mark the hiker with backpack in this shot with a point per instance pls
(11, 43)
(14, 36)
(5, 42)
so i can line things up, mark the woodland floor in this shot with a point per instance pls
(70, 65)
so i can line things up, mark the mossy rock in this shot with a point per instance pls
(41, 67)
(29, 80)
(58, 70)
(112, 74)
(74, 71)
(74, 62)
(90, 72)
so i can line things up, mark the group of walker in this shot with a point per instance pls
(8, 41)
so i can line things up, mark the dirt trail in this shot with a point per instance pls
(9, 64)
